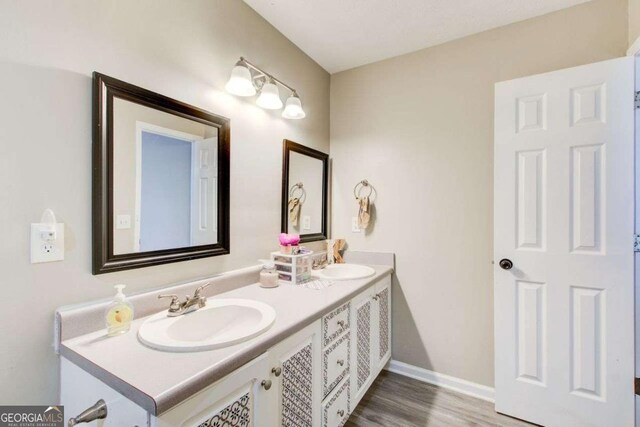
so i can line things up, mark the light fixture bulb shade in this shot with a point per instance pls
(269, 97)
(293, 108)
(241, 83)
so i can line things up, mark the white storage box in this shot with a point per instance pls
(292, 269)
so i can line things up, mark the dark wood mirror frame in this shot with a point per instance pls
(104, 261)
(288, 147)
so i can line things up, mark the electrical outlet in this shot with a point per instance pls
(45, 248)
(355, 227)
(306, 222)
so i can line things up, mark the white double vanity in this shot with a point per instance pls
(310, 367)
(233, 353)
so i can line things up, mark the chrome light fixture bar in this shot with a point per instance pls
(244, 82)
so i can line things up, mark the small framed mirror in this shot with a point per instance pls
(304, 192)
(160, 179)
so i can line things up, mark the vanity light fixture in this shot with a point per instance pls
(293, 108)
(240, 83)
(247, 79)
(269, 96)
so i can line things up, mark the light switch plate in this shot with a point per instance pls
(43, 250)
(123, 222)
(306, 222)
(355, 228)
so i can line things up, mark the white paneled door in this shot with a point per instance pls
(564, 223)
(204, 188)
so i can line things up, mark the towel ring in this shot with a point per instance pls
(298, 187)
(359, 186)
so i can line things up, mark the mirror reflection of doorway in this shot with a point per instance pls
(175, 195)
(165, 202)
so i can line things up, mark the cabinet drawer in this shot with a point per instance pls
(335, 363)
(335, 410)
(335, 323)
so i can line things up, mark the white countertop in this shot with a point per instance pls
(158, 380)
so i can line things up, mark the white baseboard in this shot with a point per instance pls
(445, 381)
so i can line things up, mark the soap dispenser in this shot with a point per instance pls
(119, 314)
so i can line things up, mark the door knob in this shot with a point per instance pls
(505, 264)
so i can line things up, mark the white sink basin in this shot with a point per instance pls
(221, 323)
(344, 272)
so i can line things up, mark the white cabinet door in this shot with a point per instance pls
(295, 372)
(239, 399)
(382, 324)
(80, 390)
(370, 336)
(563, 241)
(361, 343)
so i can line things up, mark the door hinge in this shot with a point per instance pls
(636, 243)
(637, 98)
(637, 386)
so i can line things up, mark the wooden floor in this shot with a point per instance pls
(397, 401)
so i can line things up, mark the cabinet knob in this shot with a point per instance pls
(376, 297)
(266, 384)
(276, 371)
(341, 323)
(341, 362)
(341, 412)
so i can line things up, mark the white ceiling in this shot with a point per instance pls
(342, 34)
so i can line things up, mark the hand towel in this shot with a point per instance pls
(294, 210)
(338, 246)
(363, 212)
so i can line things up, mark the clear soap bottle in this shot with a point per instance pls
(119, 314)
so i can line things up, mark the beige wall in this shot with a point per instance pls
(420, 128)
(634, 20)
(184, 50)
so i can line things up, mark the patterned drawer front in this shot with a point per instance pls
(335, 323)
(335, 363)
(336, 409)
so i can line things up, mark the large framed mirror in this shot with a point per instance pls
(160, 179)
(304, 191)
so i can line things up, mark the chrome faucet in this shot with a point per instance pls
(319, 263)
(193, 303)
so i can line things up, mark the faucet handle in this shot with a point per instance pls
(175, 301)
(199, 290)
